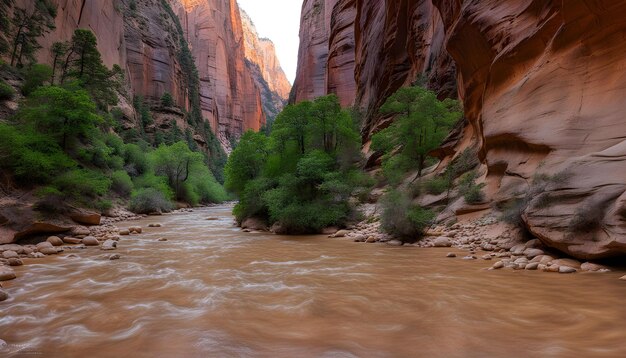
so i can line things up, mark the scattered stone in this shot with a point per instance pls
(48, 251)
(10, 254)
(162, 239)
(623, 278)
(109, 245)
(246, 230)
(470, 257)
(371, 240)
(249, 223)
(80, 231)
(3, 295)
(155, 225)
(543, 259)
(72, 240)
(532, 266)
(330, 230)
(533, 244)
(488, 247)
(36, 255)
(341, 233)
(591, 267)
(115, 257)
(394, 243)
(566, 269)
(212, 219)
(15, 262)
(7, 274)
(451, 254)
(568, 262)
(91, 241)
(124, 232)
(442, 241)
(55, 241)
(135, 229)
(518, 250)
(553, 268)
(532, 253)
(43, 245)
(498, 265)
(486, 257)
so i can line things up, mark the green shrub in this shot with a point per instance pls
(6, 91)
(36, 76)
(51, 201)
(472, 192)
(121, 183)
(167, 100)
(437, 185)
(403, 219)
(103, 205)
(149, 200)
(82, 183)
(158, 183)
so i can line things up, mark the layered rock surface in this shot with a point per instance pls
(542, 85)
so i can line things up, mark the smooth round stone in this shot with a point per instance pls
(10, 254)
(55, 241)
(394, 243)
(566, 269)
(498, 265)
(43, 245)
(48, 251)
(15, 262)
(7, 274)
(3, 295)
(91, 241)
(532, 266)
(451, 254)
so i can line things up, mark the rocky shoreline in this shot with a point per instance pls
(105, 237)
(483, 240)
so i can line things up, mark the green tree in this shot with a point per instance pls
(5, 24)
(167, 100)
(64, 114)
(35, 77)
(83, 63)
(58, 50)
(422, 122)
(246, 162)
(27, 27)
(175, 162)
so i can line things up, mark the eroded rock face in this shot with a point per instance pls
(229, 97)
(541, 83)
(262, 62)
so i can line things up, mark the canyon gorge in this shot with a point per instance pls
(541, 83)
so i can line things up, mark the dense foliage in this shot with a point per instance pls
(303, 174)
(422, 122)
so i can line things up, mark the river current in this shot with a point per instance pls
(213, 291)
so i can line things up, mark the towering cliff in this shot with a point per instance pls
(144, 40)
(542, 86)
(262, 61)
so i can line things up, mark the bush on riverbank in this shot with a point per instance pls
(303, 174)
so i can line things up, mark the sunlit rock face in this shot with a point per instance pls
(263, 63)
(542, 84)
(229, 97)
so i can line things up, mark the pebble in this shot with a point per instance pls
(115, 257)
(15, 262)
(124, 232)
(532, 266)
(36, 255)
(341, 233)
(3, 295)
(72, 240)
(532, 253)
(394, 243)
(7, 274)
(155, 225)
(486, 257)
(43, 245)
(162, 239)
(469, 257)
(91, 241)
(10, 254)
(48, 251)
(566, 269)
(451, 254)
(55, 241)
(109, 245)
(442, 241)
(498, 265)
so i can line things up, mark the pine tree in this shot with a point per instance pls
(28, 27)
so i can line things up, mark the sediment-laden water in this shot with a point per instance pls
(213, 291)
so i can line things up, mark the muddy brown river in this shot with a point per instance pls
(213, 291)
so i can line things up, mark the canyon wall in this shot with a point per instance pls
(144, 41)
(542, 84)
(263, 63)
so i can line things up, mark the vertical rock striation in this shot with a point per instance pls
(542, 84)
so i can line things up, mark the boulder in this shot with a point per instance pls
(124, 232)
(341, 233)
(451, 254)
(80, 231)
(48, 251)
(90, 241)
(15, 262)
(10, 254)
(86, 217)
(532, 253)
(55, 241)
(72, 240)
(115, 257)
(277, 228)
(566, 269)
(498, 265)
(6, 274)
(41, 228)
(623, 278)
(330, 230)
(155, 225)
(43, 245)
(36, 255)
(254, 224)
(135, 229)
(591, 267)
(109, 245)
(442, 241)
(3, 295)
(568, 262)
(532, 266)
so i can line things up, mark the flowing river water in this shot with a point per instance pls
(214, 291)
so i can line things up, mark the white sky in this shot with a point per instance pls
(278, 20)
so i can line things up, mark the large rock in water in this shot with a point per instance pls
(86, 217)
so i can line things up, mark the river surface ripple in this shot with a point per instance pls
(214, 291)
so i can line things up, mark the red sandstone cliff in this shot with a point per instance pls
(263, 63)
(542, 85)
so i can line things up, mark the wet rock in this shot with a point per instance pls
(498, 265)
(80, 231)
(442, 241)
(371, 240)
(15, 262)
(486, 257)
(115, 257)
(155, 225)
(470, 257)
(394, 243)
(566, 269)
(246, 230)
(552, 268)
(532, 253)
(341, 233)
(55, 241)
(533, 244)
(10, 254)
(542, 259)
(252, 224)
(518, 249)
(6, 274)
(568, 262)
(48, 251)
(162, 239)
(591, 267)
(91, 241)
(623, 278)
(451, 254)
(532, 266)
(36, 255)
(72, 240)
(109, 245)
(330, 230)
(212, 219)
(3, 295)
(86, 218)
(488, 247)
(124, 232)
